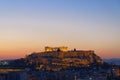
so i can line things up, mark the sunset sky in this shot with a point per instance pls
(28, 26)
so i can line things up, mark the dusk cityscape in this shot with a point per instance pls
(60, 40)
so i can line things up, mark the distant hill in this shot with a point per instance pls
(61, 60)
(113, 61)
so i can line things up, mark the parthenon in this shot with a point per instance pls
(50, 49)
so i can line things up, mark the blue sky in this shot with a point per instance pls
(29, 25)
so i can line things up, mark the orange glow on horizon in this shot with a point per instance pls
(21, 53)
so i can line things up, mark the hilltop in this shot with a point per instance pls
(57, 60)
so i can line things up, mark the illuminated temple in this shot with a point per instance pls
(51, 49)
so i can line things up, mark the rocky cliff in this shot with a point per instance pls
(60, 60)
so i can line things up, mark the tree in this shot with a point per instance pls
(58, 50)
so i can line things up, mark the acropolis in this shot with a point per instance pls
(57, 58)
